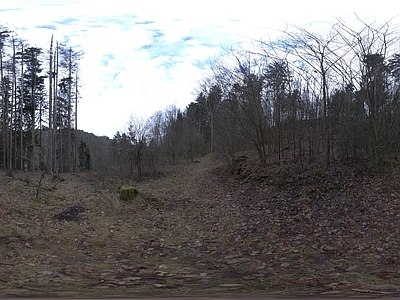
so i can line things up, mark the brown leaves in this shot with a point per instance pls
(286, 231)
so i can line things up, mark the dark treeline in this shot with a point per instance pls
(313, 98)
(39, 95)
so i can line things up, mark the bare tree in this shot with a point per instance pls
(375, 48)
(277, 81)
(321, 55)
(242, 72)
(4, 35)
(139, 133)
(51, 137)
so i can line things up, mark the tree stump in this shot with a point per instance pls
(128, 193)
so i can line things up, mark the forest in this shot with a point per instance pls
(279, 178)
(39, 96)
(315, 98)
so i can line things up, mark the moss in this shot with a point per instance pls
(391, 164)
(241, 158)
(128, 192)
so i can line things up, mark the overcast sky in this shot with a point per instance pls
(141, 56)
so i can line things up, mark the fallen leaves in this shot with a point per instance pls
(289, 231)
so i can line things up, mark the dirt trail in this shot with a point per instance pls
(187, 181)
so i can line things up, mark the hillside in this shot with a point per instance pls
(203, 229)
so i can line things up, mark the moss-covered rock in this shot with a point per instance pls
(128, 192)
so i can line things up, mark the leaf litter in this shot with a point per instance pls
(201, 229)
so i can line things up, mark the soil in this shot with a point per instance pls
(202, 229)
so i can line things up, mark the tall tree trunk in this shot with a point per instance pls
(13, 102)
(3, 96)
(21, 112)
(69, 130)
(76, 123)
(325, 116)
(33, 116)
(50, 165)
(55, 96)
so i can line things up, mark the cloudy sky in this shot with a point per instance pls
(141, 56)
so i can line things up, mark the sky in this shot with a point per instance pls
(141, 56)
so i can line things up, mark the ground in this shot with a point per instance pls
(203, 229)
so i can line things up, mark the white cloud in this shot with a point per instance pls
(141, 56)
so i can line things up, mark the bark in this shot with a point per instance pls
(33, 129)
(20, 125)
(69, 121)
(50, 165)
(55, 111)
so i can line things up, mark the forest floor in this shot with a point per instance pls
(202, 229)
